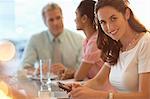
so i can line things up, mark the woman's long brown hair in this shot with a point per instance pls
(111, 48)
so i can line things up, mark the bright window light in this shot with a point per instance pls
(141, 10)
(20, 19)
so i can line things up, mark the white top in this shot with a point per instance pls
(124, 75)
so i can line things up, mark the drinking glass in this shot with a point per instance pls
(45, 74)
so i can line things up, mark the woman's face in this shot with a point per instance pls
(78, 21)
(113, 22)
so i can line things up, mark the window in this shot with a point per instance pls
(140, 8)
(21, 18)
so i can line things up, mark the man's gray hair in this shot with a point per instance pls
(50, 7)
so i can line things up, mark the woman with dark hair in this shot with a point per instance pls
(124, 43)
(91, 61)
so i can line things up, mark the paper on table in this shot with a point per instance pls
(69, 81)
(36, 77)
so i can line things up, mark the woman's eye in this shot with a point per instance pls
(102, 22)
(113, 19)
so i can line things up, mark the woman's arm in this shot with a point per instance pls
(99, 80)
(82, 72)
(95, 83)
(143, 92)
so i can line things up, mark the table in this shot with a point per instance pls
(17, 79)
(29, 86)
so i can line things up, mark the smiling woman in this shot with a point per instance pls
(118, 29)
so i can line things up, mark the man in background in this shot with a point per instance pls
(65, 58)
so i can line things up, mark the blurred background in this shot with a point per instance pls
(19, 19)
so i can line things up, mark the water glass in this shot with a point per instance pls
(45, 74)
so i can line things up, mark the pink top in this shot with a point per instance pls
(91, 54)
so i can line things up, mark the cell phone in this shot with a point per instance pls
(64, 87)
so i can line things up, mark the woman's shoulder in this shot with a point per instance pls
(93, 39)
(145, 38)
(144, 43)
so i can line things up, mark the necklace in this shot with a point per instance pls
(131, 43)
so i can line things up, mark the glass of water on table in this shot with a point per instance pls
(44, 74)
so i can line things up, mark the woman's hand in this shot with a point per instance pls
(82, 92)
